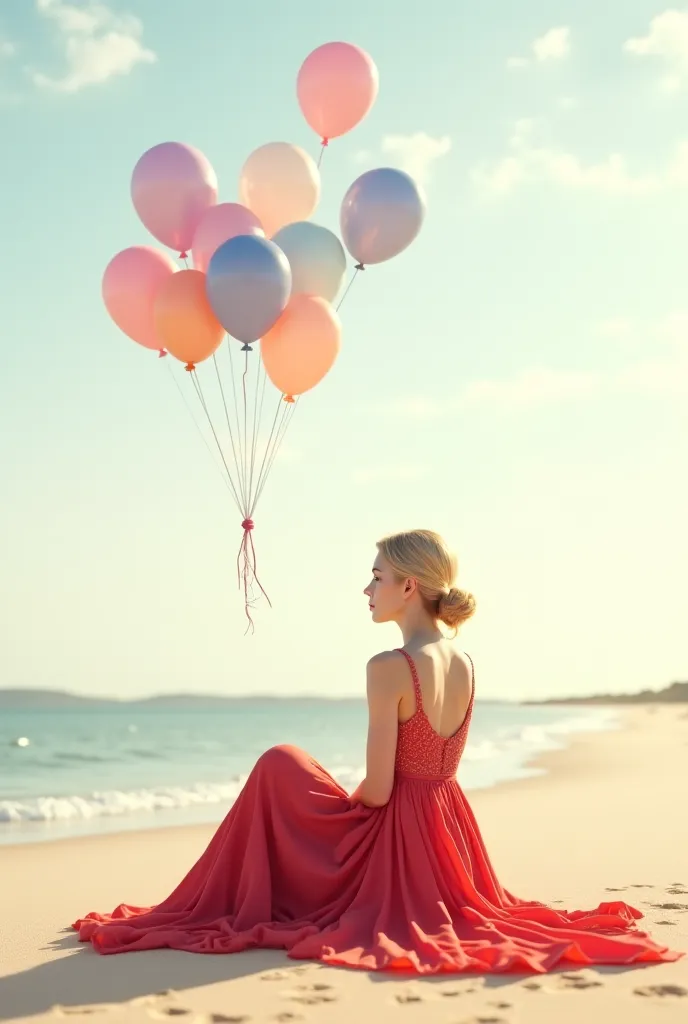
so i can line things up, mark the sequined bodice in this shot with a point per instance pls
(422, 751)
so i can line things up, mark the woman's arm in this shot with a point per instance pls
(383, 688)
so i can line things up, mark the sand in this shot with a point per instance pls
(607, 821)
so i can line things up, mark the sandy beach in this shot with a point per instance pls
(607, 821)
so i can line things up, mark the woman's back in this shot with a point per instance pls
(435, 712)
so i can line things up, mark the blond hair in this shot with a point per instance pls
(425, 557)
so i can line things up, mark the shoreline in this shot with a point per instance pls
(477, 776)
(605, 822)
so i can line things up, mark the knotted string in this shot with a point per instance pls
(247, 572)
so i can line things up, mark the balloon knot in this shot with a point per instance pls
(324, 141)
(359, 266)
(183, 255)
(289, 399)
(247, 525)
(189, 367)
(162, 353)
(246, 348)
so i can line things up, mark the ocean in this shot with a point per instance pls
(73, 773)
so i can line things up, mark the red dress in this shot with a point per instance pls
(296, 866)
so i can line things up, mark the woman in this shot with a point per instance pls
(395, 876)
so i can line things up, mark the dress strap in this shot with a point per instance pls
(414, 675)
(472, 677)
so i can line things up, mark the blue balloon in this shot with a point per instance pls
(316, 257)
(381, 214)
(248, 284)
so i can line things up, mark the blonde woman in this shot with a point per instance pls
(396, 875)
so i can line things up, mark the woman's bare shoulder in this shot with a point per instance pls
(386, 669)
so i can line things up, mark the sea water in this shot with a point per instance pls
(134, 766)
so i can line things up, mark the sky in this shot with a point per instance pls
(517, 379)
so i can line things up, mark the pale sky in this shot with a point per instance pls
(518, 379)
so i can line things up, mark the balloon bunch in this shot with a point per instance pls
(262, 271)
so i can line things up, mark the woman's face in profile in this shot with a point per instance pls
(384, 592)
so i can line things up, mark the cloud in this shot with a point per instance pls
(527, 161)
(666, 374)
(667, 40)
(416, 408)
(615, 327)
(97, 44)
(416, 154)
(552, 46)
(386, 474)
(537, 386)
(7, 48)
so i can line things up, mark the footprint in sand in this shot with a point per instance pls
(677, 890)
(66, 1011)
(161, 1012)
(670, 906)
(578, 980)
(222, 1018)
(483, 1020)
(641, 885)
(665, 922)
(611, 888)
(162, 1003)
(533, 986)
(287, 1018)
(466, 989)
(274, 976)
(408, 997)
(661, 990)
(311, 995)
(501, 1006)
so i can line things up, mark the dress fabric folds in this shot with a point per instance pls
(295, 865)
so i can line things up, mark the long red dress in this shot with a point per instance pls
(296, 866)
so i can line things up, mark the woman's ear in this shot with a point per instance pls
(409, 587)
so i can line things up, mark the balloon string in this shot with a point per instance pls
(242, 505)
(358, 267)
(239, 461)
(247, 571)
(245, 397)
(198, 428)
(204, 406)
(323, 146)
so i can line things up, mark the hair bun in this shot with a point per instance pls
(455, 607)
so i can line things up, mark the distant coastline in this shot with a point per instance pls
(62, 700)
(676, 693)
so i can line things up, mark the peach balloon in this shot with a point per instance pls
(130, 285)
(336, 87)
(280, 183)
(302, 346)
(184, 321)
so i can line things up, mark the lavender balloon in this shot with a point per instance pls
(381, 214)
(248, 284)
(172, 186)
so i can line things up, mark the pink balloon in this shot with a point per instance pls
(172, 186)
(131, 282)
(336, 87)
(217, 225)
